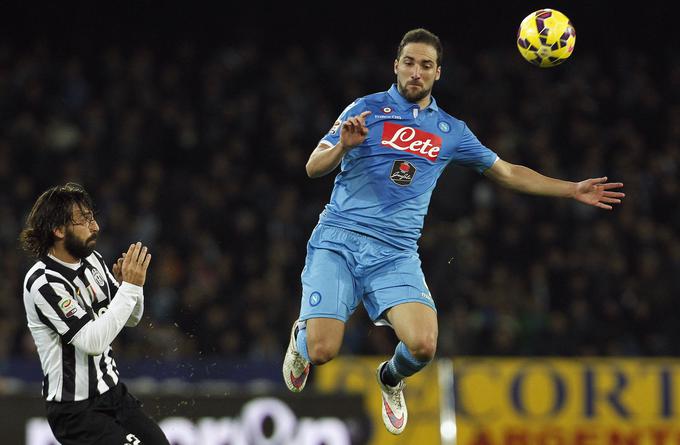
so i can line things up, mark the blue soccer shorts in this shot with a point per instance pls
(344, 268)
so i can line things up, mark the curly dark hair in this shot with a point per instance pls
(422, 35)
(54, 208)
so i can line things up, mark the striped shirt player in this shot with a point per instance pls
(75, 307)
(62, 301)
(392, 147)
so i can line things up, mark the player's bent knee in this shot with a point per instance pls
(424, 348)
(321, 352)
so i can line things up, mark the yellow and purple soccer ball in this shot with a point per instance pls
(546, 38)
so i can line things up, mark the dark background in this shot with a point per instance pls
(190, 125)
(464, 26)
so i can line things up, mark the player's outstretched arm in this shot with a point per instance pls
(595, 191)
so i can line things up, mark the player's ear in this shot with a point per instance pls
(439, 73)
(59, 233)
(396, 64)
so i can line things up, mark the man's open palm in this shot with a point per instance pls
(596, 192)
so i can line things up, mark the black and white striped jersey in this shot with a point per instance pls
(74, 311)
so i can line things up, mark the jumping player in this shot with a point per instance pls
(392, 147)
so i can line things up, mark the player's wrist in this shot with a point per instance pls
(133, 285)
(573, 190)
(345, 147)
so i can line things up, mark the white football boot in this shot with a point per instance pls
(394, 412)
(295, 367)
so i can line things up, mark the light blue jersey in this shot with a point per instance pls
(364, 249)
(384, 187)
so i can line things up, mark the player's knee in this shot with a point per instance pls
(424, 347)
(321, 352)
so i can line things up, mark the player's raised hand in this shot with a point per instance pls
(117, 269)
(596, 192)
(135, 263)
(354, 130)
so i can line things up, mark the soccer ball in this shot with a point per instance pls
(546, 38)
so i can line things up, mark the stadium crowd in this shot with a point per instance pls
(200, 153)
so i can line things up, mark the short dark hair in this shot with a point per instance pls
(422, 35)
(54, 208)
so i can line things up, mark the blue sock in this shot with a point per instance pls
(401, 365)
(301, 341)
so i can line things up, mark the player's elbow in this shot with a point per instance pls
(83, 342)
(95, 352)
(309, 170)
(92, 350)
(503, 173)
(312, 170)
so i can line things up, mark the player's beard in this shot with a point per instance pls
(414, 97)
(77, 248)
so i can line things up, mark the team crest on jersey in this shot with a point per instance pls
(68, 306)
(98, 278)
(387, 110)
(444, 126)
(315, 299)
(402, 172)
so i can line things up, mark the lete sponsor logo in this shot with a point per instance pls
(402, 138)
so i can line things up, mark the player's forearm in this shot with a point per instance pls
(98, 334)
(323, 161)
(137, 312)
(526, 180)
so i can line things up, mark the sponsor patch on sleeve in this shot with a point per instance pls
(334, 128)
(68, 306)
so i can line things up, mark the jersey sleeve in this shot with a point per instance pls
(57, 307)
(472, 153)
(353, 109)
(95, 337)
(138, 311)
